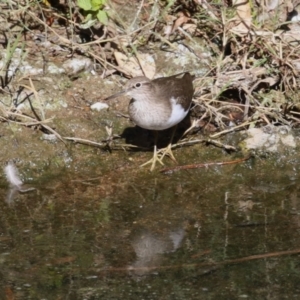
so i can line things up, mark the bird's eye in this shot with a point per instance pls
(137, 85)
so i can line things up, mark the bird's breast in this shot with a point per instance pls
(158, 115)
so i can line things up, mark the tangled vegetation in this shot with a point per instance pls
(249, 51)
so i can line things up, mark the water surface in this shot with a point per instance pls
(225, 232)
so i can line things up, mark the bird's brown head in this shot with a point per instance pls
(134, 87)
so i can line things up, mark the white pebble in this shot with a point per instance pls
(99, 106)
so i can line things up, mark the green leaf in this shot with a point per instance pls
(88, 18)
(88, 24)
(85, 4)
(102, 17)
(97, 4)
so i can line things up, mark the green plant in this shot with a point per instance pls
(7, 71)
(93, 11)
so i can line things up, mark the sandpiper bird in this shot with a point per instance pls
(159, 104)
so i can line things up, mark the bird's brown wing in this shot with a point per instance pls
(179, 86)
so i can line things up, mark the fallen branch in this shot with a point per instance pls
(92, 143)
(34, 122)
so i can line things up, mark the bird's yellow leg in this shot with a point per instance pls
(155, 157)
(168, 149)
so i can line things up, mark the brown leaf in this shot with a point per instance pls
(183, 18)
(145, 64)
(243, 18)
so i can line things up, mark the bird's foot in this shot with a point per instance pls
(159, 155)
(167, 151)
(153, 161)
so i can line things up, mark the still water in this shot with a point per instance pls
(224, 232)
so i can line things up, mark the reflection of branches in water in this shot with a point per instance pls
(214, 265)
(204, 165)
(15, 182)
(12, 192)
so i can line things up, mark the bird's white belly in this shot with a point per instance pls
(156, 117)
(177, 115)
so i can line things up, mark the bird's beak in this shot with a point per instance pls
(115, 95)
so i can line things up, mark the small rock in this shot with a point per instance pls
(270, 138)
(49, 137)
(99, 106)
(77, 65)
(53, 69)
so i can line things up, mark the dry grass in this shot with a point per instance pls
(250, 62)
